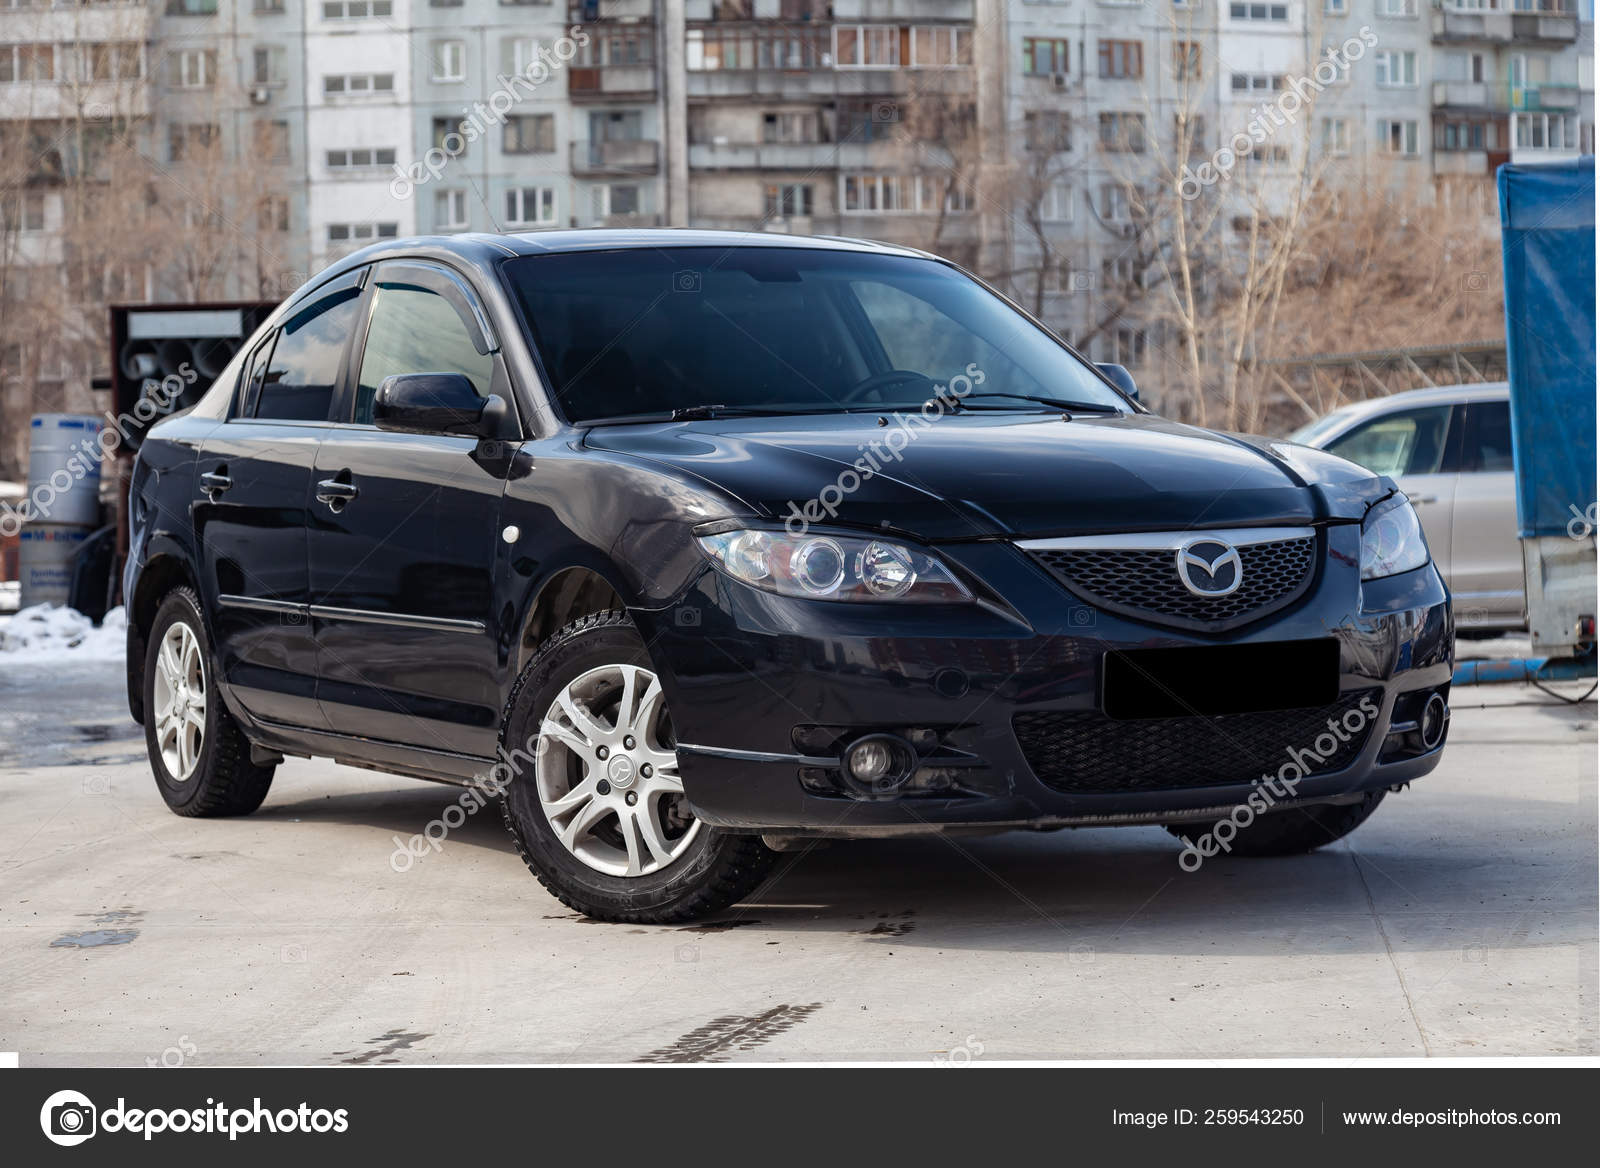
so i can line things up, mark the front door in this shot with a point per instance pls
(1486, 568)
(253, 487)
(405, 534)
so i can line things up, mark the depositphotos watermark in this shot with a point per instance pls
(1297, 94)
(880, 452)
(87, 453)
(1270, 788)
(471, 801)
(68, 1118)
(491, 111)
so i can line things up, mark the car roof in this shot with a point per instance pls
(1433, 395)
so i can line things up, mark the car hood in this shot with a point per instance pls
(976, 475)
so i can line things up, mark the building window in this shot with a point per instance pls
(902, 194)
(193, 68)
(1186, 61)
(786, 200)
(450, 210)
(267, 64)
(362, 232)
(1336, 7)
(271, 141)
(531, 205)
(361, 157)
(449, 60)
(186, 142)
(1127, 346)
(1189, 132)
(1055, 205)
(1537, 131)
(1114, 206)
(1049, 131)
(866, 46)
(941, 46)
(272, 213)
(24, 213)
(529, 134)
(1397, 8)
(1255, 84)
(116, 61)
(1272, 12)
(1335, 136)
(356, 9)
(183, 7)
(1397, 69)
(783, 126)
(357, 84)
(1398, 136)
(1042, 56)
(1122, 59)
(1122, 132)
(27, 63)
(447, 136)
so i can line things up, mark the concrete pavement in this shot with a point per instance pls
(1460, 920)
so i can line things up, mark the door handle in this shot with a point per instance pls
(1418, 500)
(336, 493)
(214, 482)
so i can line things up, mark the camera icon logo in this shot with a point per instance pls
(1080, 280)
(1082, 618)
(294, 618)
(687, 617)
(68, 1118)
(1475, 282)
(686, 280)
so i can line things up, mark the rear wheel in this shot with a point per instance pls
(599, 815)
(1295, 830)
(199, 755)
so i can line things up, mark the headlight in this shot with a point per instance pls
(834, 567)
(1391, 539)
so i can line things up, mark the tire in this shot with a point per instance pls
(220, 779)
(648, 861)
(1296, 830)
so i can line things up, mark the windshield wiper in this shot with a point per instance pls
(1055, 403)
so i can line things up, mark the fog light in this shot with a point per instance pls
(878, 764)
(1431, 724)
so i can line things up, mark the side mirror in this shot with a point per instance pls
(1119, 376)
(436, 403)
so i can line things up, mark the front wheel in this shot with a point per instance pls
(599, 814)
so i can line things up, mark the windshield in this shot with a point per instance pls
(779, 329)
(1308, 434)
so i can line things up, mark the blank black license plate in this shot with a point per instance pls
(1220, 679)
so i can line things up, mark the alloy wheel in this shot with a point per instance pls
(180, 701)
(607, 773)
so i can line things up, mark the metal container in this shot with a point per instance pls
(44, 557)
(64, 470)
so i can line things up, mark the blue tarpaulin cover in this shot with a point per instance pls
(1547, 240)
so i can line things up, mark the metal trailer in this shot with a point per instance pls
(1547, 238)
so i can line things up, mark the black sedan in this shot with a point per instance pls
(693, 546)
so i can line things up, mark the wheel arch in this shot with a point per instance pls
(566, 595)
(158, 576)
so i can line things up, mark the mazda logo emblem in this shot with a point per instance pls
(1209, 567)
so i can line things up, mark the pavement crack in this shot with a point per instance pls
(1377, 920)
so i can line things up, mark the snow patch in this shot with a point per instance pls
(48, 633)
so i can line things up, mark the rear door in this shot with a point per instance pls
(403, 547)
(252, 507)
(1417, 448)
(1487, 566)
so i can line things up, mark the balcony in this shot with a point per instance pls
(793, 156)
(610, 11)
(636, 156)
(1505, 21)
(1499, 95)
(607, 82)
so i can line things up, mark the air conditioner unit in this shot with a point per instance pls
(260, 95)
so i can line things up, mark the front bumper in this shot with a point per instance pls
(764, 689)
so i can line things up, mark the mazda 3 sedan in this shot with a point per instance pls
(693, 547)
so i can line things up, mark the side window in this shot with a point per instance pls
(414, 330)
(250, 378)
(1488, 438)
(299, 378)
(1405, 442)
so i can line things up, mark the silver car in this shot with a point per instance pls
(1449, 448)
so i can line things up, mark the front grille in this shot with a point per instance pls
(1143, 582)
(1080, 753)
